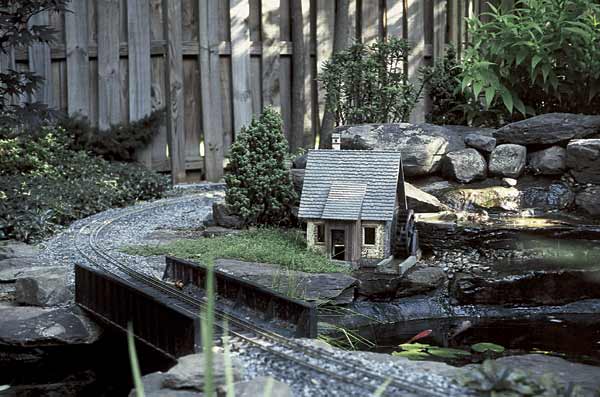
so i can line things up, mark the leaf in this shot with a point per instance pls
(545, 71)
(507, 99)
(447, 352)
(487, 346)
(519, 105)
(490, 92)
(534, 62)
(477, 88)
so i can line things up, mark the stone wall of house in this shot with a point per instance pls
(311, 237)
(378, 250)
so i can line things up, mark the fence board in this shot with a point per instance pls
(210, 77)
(285, 70)
(271, 36)
(174, 85)
(140, 84)
(240, 63)
(78, 68)
(416, 37)
(109, 104)
(40, 63)
(370, 21)
(395, 18)
(439, 28)
(325, 31)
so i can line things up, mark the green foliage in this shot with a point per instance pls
(484, 347)
(259, 185)
(368, 83)
(492, 379)
(119, 142)
(542, 56)
(450, 105)
(45, 185)
(422, 351)
(285, 248)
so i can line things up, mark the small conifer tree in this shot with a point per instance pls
(259, 186)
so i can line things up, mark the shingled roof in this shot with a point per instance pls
(350, 185)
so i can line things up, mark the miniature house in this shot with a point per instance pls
(349, 201)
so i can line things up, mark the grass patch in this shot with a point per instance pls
(281, 247)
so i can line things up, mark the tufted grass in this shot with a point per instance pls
(286, 248)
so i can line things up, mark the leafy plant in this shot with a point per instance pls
(16, 31)
(422, 351)
(484, 347)
(369, 84)
(492, 379)
(540, 56)
(259, 186)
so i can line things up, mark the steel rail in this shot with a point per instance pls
(350, 366)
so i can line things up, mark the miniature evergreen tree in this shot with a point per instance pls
(259, 186)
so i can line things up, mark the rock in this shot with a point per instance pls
(548, 129)
(583, 158)
(335, 288)
(225, 218)
(188, 373)
(556, 196)
(419, 280)
(26, 326)
(78, 384)
(565, 372)
(257, 386)
(16, 249)
(508, 160)
(481, 142)
(153, 387)
(465, 165)
(419, 201)
(488, 198)
(300, 161)
(422, 146)
(298, 180)
(43, 286)
(509, 182)
(589, 200)
(377, 285)
(551, 161)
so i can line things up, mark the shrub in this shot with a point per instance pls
(44, 185)
(542, 56)
(367, 83)
(259, 186)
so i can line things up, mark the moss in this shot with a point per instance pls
(282, 247)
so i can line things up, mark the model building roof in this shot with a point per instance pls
(350, 185)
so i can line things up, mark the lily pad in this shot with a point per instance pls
(412, 354)
(487, 347)
(447, 352)
(414, 346)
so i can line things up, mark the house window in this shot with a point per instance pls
(320, 233)
(368, 236)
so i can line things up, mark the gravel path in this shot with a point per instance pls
(191, 209)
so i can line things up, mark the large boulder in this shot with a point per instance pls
(420, 201)
(583, 158)
(508, 160)
(43, 286)
(465, 165)
(551, 161)
(589, 200)
(27, 326)
(419, 280)
(188, 373)
(423, 146)
(548, 129)
(223, 216)
(481, 142)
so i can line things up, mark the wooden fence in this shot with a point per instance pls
(213, 64)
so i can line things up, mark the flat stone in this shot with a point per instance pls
(589, 200)
(465, 165)
(16, 249)
(420, 201)
(419, 280)
(565, 372)
(188, 373)
(548, 129)
(423, 146)
(508, 160)
(26, 326)
(257, 387)
(583, 158)
(335, 288)
(377, 285)
(551, 161)
(481, 142)
(153, 387)
(43, 286)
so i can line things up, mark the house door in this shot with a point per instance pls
(338, 244)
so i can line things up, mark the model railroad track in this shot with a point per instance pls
(315, 359)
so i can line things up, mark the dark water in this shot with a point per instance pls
(573, 337)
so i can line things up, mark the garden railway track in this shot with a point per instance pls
(347, 373)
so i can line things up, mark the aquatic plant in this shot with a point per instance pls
(423, 351)
(484, 347)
